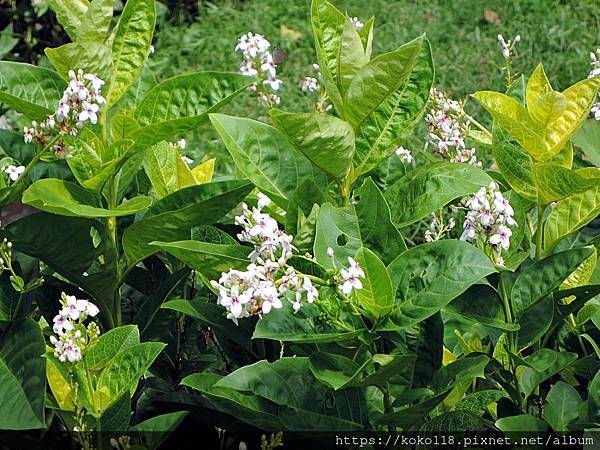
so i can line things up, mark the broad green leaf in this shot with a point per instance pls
(250, 408)
(66, 245)
(116, 417)
(386, 99)
(288, 382)
(581, 276)
(593, 408)
(482, 304)
(84, 162)
(68, 199)
(110, 344)
(466, 368)
(203, 172)
(265, 157)
(428, 277)
(366, 36)
(160, 165)
(9, 298)
(124, 371)
(96, 21)
(521, 424)
(542, 365)
(561, 407)
(570, 215)
(22, 376)
(426, 341)
(31, 90)
(514, 164)
(70, 14)
(555, 182)
(180, 104)
(326, 140)
(130, 47)
(535, 322)
(541, 278)
(453, 421)
(91, 57)
(335, 371)
(513, 118)
(579, 99)
(587, 138)
(366, 222)
(302, 327)
(431, 187)
(352, 56)
(537, 86)
(206, 258)
(172, 217)
(328, 25)
(157, 428)
(477, 402)
(376, 296)
(59, 382)
(413, 415)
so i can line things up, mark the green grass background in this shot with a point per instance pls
(466, 52)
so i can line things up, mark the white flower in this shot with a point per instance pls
(355, 269)
(330, 252)
(273, 83)
(596, 111)
(89, 112)
(235, 301)
(96, 82)
(309, 84)
(351, 277)
(404, 154)
(501, 236)
(187, 160)
(14, 172)
(151, 50)
(357, 23)
(181, 143)
(311, 292)
(263, 200)
(72, 309)
(61, 323)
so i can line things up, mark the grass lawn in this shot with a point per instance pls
(462, 33)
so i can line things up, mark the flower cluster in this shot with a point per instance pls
(404, 154)
(357, 23)
(447, 127)
(595, 72)
(438, 228)
(73, 336)
(309, 84)
(489, 220)
(259, 62)
(79, 104)
(507, 47)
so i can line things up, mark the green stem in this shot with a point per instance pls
(35, 160)
(478, 125)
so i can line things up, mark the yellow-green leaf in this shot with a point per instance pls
(185, 177)
(537, 86)
(548, 107)
(581, 276)
(203, 173)
(555, 182)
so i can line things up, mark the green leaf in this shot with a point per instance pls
(66, 245)
(376, 296)
(91, 57)
(522, 423)
(513, 118)
(477, 402)
(428, 277)
(160, 165)
(452, 421)
(570, 215)
(466, 368)
(131, 44)
(431, 187)
(326, 140)
(482, 304)
(542, 365)
(68, 199)
(555, 182)
(335, 371)
(352, 56)
(157, 428)
(587, 138)
(210, 260)
(426, 341)
(287, 382)
(70, 14)
(265, 157)
(561, 407)
(535, 321)
(541, 278)
(110, 344)
(328, 25)
(386, 99)
(548, 107)
(303, 327)
(514, 164)
(250, 408)
(124, 371)
(172, 217)
(96, 21)
(181, 103)
(594, 398)
(22, 376)
(116, 417)
(30, 90)
(366, 222)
